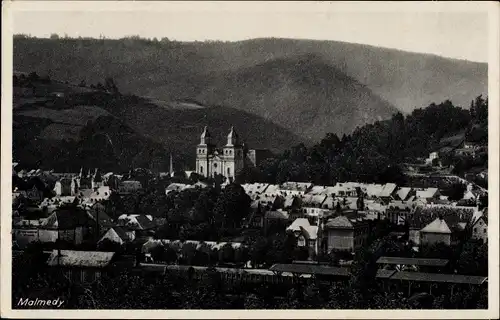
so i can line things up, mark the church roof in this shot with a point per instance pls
(232, 138)
(205, 133)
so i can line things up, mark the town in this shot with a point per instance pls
(420, 245)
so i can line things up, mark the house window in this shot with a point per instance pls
(475, 229)
(201, 169)
(485, 230)
(228, 171)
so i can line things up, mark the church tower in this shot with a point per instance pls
(233, 155)
(203, 153)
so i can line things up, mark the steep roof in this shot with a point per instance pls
(403, 193)
(387, 190)
(144, 222)
(340, 222)
(104, 219)
(121, 233)
(298, 223)
(437, 226)
(310, 232)
(427, 193)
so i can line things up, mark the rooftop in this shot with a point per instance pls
(438, 277)
(311, 269)
(89, 259)
(413, 261)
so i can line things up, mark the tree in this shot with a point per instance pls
(54, 36)
(232, 206)
(109, 84)
(473, 259)
(456, 191)
(226, 254)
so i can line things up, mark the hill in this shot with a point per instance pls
(318, 86)
(116, 132)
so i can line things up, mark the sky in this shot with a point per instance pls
(454, 34)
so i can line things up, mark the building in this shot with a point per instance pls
(479, 226)
(68, 223)
(227, 161)
(116, 235)
(437, 231)
(81, 266)
(345, 234)
(427, 194)
(306, 234)
(432, 156)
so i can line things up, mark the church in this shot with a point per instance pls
(227, 161)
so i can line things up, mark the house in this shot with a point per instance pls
(479, 227)
(67, 223)
(437, 231)
(345, 233)
(432, 156)
(306, 234)
(457, 220)
(117, 235)
(142, 228)
(81, 266)
(137, 221)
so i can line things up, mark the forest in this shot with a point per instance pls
(375, 152)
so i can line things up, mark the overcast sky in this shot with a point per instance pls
(458, 34)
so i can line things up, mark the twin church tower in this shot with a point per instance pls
(227, 161)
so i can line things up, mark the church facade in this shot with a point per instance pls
(227, 161)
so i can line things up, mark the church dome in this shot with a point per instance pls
(232, 138)
(205, 137)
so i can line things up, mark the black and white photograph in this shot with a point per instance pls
(232, 156)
